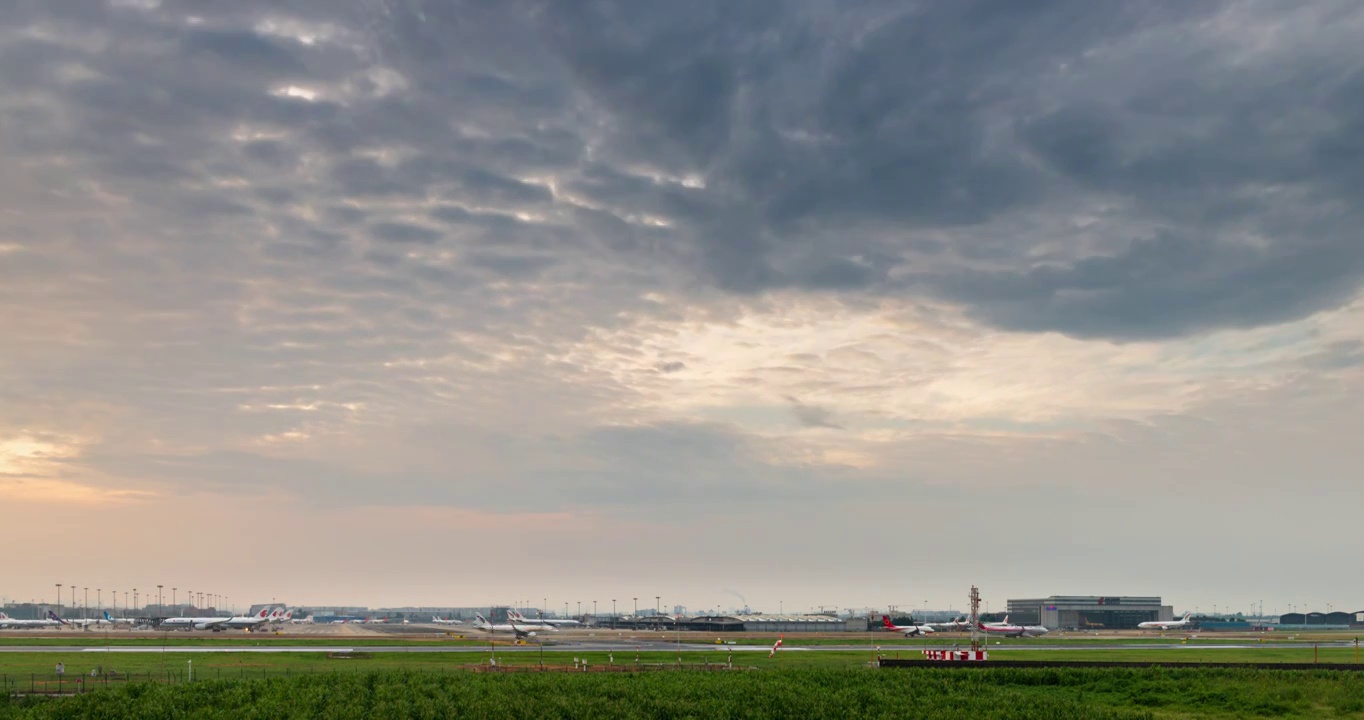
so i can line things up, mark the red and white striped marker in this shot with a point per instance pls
(955, 654)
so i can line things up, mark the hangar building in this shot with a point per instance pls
(746, 623)
(1088, 612)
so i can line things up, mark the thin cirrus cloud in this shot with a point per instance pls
(591, 261)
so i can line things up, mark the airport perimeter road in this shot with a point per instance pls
(616, 647)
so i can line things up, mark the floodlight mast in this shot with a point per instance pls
(975, 618)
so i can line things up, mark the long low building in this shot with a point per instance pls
(743, 623)
(1088, 612)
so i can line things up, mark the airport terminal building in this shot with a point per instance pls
(1088, 612)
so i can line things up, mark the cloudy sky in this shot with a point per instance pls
(842, 304)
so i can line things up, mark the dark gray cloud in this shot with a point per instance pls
(382, 207)
(400, 232)
(812, 415)
(884, 149)
(895, 122)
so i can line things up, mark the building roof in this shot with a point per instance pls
(788, 618)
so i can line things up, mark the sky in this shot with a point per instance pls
(419, 302)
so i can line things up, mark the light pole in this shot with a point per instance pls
(658, 605)
(135, 600)
(636, 608)
(173, 597)
(158, 599)
(85, 604)
(59, 599)
(594, 611)
(613, 610)
(98, 600)
(73, 597)
(580, 608)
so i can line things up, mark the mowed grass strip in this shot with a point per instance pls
(237, 640)
(1019, 693)
(868, 640)
(245, 664)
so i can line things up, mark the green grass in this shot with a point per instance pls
(84, 640)
(884, 640)
(22, 665)
(792, 692)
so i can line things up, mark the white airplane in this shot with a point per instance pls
(50, 621)
(217, 624)
(908, 630)
(1164, 624)
(960, 623)
(516, 617)
(249, 621)
(118, 621)
(1007, 630)
(556, 623)
(511, 627)
(451, 621)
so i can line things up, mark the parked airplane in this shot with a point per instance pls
(276, 615)
(1007, 630)
(118, 621)
(1164, 624)
(50, 621)
(451, 621)
(908, 630)
(511, 627)
(515, 616)
(555, 623)
(960, 623)
(217, 624)
(87, 622)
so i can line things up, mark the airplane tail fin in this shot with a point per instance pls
(53, 616)
(3, 616)
(108, 617)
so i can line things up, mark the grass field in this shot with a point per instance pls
(885, 640)
(84, 640)
(22, 665)
(791, 692)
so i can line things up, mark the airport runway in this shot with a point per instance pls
(618, 647)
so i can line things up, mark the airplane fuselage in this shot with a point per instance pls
(1015, 630)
